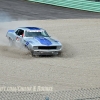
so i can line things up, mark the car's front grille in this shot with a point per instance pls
(47, 47)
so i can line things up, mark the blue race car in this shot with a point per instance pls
(35, 39)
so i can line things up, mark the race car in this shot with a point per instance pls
(34, 39)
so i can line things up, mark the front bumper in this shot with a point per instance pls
(46, 52)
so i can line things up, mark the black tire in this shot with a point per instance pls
(26, 47)
(60, 54)
(34, 55)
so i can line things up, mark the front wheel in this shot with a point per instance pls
(34, 55)
(60, 53)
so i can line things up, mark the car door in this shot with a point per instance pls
(18, 37)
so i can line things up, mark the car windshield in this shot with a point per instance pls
(36, 33)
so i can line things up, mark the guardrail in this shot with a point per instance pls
(76, 4)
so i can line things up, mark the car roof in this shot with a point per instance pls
(31, 28)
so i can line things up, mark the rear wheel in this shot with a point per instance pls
(11, 42)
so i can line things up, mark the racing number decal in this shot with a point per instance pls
(17, 39)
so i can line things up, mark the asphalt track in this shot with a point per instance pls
(24, 10)
(78, 31)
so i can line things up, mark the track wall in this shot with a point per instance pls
(77, 4)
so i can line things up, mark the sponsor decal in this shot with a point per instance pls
(26, 88)
(34, 30)
(17, 39)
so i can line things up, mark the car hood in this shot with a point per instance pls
(47, 41)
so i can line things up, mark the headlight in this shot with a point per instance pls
(59, 47)
(35, 47)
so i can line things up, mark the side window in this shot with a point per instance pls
(19, 32)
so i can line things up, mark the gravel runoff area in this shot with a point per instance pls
(78, 67)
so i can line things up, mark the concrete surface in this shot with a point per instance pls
(24, 10)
